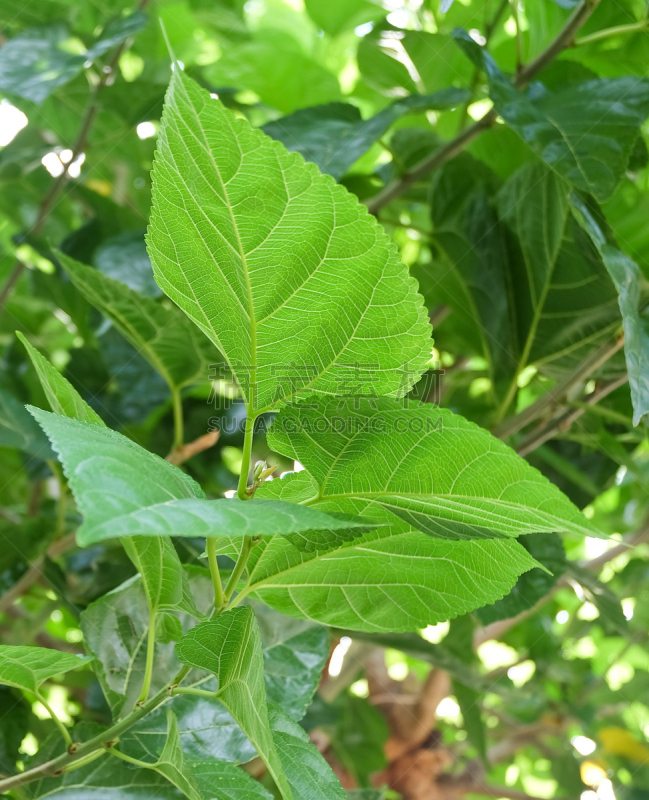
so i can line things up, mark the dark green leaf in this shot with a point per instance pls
(230, 647)
(307, 772)
(18, 429)
(627, 278)
(163, 335)
(295, 653)
(36, 62)
(334, 136)
(547, 549)
(584, 132)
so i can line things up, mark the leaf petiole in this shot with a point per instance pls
(179, 428)
(197, 692)
(150, 657)
(219, 597)
(64, 731)
(136, 762)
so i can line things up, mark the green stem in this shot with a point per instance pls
(239, 567)
(219, 598)
(135, 761)
(82, 762)
(242, 490)
(633, 27)
(179, 432)
(150, 657)
(197, 692)
(56, 765)
(64, 731)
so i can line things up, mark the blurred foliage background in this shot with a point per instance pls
(544, 694)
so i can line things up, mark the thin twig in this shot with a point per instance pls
(565, 38)
(566, 420)
(179, 455)
(592, 363)
(35, 571)
(47, 204)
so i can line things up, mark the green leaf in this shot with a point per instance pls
(111, 476)
(115, 629)
(334, 136)
(300, 248)
(584, 132)
(435, 470)
(562, 294)
(230, 647)
(295, 654)
(35, 63)
(29, 667)
(171, 763)
(468, 238)
(154, 557)
(628, 279)
(423, 62)
(307, 772)
(163, 335)
(207, 729)
(526, 284)
(123, 490)
(125, 259)
(62, 397)
(108, 777)
(335, 16)
(219, 780)
(547, 549)
(273, 65)
(17, 428)
(392, 579)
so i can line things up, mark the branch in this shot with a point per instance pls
(35, 571)
(566, 420)
(48, 202)
(498, 791)
(564, 39)
(183, 453)
(104, 740)
(592, 363)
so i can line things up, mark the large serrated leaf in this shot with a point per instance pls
(230, 647)
(123, 490)
(395, 579)
(295, 283)
(439, 472)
